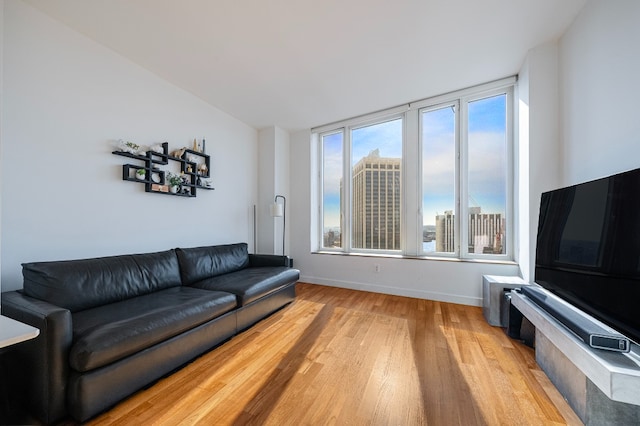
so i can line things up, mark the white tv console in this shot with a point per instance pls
(602, 387)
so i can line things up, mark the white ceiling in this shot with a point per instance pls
(302, 63)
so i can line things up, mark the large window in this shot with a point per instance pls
(439, 165)
(447, 158)
(486, 174)
(375, 185)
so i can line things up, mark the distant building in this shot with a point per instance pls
(376, 202)
(332, 239)
(445, 232)
(486, 232)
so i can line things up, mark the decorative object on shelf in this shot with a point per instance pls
(130, 147)
(175, 182)
(156, 148)
(204, 148)
(280, 210)
(194, 166)
(178, 152)
(160, 188)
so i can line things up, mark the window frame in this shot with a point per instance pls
(348, 219)
(508, 91)
(411, 192)
(321, 211)
(454, 103)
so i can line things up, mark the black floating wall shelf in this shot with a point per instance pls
(155, 179)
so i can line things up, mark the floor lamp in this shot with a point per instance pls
(280, 210)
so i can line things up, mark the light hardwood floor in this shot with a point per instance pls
(344, 357)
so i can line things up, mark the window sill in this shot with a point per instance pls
(410, 257)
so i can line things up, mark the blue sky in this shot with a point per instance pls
(487, 163)
(487, 155)
(387, 137)
(332, 163)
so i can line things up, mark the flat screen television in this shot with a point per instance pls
(588, 249)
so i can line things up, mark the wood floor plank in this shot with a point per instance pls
(338, 356)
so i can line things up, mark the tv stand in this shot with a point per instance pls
(602, 387)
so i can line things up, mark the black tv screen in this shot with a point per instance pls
(588, 249)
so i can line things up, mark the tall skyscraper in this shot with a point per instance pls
(376, 202)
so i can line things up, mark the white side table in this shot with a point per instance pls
(12, 331)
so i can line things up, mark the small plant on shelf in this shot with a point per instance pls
(174, 179)
(130, 147)
(140, 173)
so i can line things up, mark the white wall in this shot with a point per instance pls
(266, 190)
(521, 171)
(452, 281)
(600, 86)
(273, 179)
(540, 155)
(65, 98)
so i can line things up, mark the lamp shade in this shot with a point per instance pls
(277, 210)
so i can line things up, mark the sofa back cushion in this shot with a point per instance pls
(199, 263)
(81, 284)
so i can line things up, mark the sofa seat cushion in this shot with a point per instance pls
(252, 283)
(111, 332)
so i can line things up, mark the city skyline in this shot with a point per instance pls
(486, 167)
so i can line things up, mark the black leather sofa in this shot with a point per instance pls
(110, 326)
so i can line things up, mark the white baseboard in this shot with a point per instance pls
(396, 291)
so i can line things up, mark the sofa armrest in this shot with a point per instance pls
(40, 366)
(258, 260)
